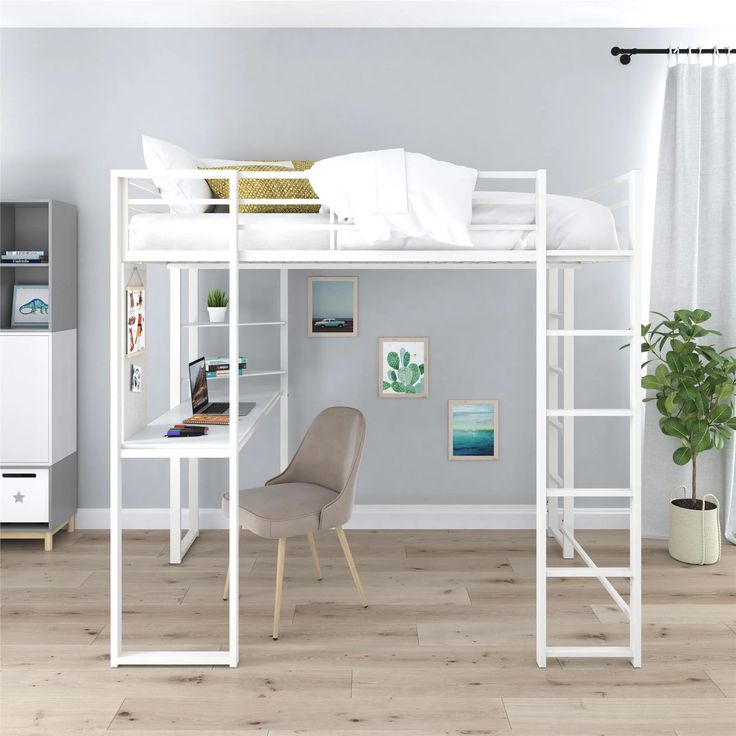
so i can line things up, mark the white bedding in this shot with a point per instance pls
(572, 224)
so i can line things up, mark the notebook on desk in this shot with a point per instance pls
(207, 419)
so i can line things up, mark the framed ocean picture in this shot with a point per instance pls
(332, 306)
(403, 367)
(472, 432)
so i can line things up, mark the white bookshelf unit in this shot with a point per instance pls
(38, 375)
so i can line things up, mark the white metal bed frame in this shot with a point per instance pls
(555, 423)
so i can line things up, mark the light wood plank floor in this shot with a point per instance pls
(445, 647)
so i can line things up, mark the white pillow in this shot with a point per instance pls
(215, 162)
(162, 155)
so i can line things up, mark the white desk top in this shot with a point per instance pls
(150, 441)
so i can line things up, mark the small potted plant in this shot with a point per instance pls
(694, 385)
(217, 301)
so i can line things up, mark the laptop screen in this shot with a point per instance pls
(198, 385)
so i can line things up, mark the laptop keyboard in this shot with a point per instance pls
(219, 407)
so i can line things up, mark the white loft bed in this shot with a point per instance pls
(555, 381)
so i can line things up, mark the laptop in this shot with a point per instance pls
(201, 403)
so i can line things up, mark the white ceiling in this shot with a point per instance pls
(369, 13)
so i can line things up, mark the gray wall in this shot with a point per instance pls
(74, 103)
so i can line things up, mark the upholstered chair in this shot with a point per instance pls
(315, 492)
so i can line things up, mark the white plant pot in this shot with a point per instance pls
(695, 534)
(217, 314)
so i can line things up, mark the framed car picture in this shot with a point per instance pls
(31, 308)
(403, 367)
(332, 306)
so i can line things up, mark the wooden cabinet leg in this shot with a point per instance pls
(279, 586)
(48, 542)
(353, 570)
(70, 525)
(313, 550)
(226, 591)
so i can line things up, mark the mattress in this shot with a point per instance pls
(572, 224)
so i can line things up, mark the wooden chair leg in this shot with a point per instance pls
(313, 549)
(226, 591)
(279, 586)
(353, 570)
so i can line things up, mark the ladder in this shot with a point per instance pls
(556, 415)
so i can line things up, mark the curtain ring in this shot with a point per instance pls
(689, 55)
(676, 55)
(715, 54)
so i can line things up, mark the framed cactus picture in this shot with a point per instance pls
(403, 367)
(472, 431)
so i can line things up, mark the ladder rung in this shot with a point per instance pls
(590, 652)
(556, 369)
(556, 315)
(590, 492)
(588, 572)
(589, 333)
(589, 413)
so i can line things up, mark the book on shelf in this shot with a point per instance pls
(223, 374)
(223, 364)
(24, 256)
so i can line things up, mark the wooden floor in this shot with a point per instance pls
(445, 647)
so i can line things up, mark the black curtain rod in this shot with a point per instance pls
(626, 54)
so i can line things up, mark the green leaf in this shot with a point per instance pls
(662, 374)
(392, 375)
(670, 403)
(421, 368)
(700, 438)
(701, 315)
(404, 375)
(650, 382)
(405, 357)
(673, 427)
(724, 391)
(721, 413)
(386, 385)
(397, 387)
(393, 360)
(682, 455)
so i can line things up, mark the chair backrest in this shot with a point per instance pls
(329, 456)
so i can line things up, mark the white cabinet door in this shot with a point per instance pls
(24, 398)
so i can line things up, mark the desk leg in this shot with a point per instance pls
(174, 511)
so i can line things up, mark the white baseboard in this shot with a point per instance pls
(382, 516)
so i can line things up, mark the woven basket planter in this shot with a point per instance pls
(695, 534)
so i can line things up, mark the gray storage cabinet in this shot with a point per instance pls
(38, 375)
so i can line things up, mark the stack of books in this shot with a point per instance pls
(219, 367)
(24, 256)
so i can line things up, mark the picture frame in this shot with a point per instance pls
(136, 378)
(403, 367)
(31, 306)
(472, 429)
(332, 306)
(135, 327)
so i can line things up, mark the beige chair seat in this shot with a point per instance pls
(283, 509)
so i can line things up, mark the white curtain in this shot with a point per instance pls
(694, 259)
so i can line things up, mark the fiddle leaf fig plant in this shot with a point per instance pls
(693, 384)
